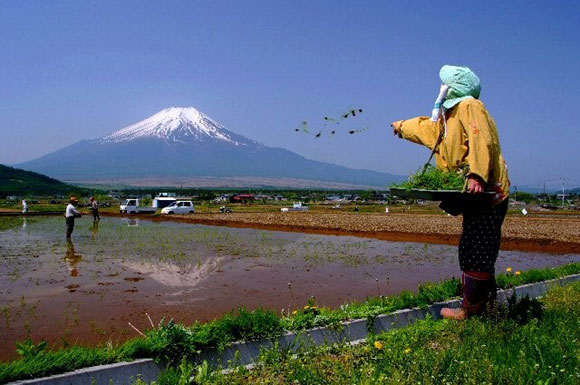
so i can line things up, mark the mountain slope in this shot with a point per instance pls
(183, 142)
(14, 181)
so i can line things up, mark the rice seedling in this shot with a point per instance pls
(433, 178)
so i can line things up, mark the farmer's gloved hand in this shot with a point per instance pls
(474, 184)
(397, 128)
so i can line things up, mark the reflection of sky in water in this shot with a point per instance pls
(181, 254)
(134, 239)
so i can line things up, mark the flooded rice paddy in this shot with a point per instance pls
(86, 291)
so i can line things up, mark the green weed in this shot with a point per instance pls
(482, 350)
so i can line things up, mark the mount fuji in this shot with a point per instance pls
(178, 144)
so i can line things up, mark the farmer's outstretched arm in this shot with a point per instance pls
(480, 136)
(421, 130)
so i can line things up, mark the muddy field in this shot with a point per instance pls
(86, 292)
(537, 232)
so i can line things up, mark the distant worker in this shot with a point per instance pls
(462, 133)
(71, 214)
(95, 209)
(24, 207)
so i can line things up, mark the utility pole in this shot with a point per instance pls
(544, 188)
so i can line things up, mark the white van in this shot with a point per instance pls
(133, 206)
(179, 207)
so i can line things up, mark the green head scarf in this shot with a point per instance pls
(463, 84)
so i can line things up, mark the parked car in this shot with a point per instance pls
(225, 209)
(179, 207)
(133, 206)
(296, 207)
(162, 201)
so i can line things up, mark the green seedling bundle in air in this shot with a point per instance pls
(331, 125)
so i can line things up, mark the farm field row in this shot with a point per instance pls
(526, 233)
(535, 342)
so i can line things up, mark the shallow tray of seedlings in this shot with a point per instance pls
(440, 195)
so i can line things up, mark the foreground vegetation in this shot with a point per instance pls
(171, 342)
(527, 342)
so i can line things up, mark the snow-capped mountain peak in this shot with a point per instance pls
(183, 144)
(177, 124)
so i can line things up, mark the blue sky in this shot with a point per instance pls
(73, 70)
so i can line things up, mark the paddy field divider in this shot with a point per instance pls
(245, 353)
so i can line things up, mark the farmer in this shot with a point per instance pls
(95, 209)
(24, 207)
(71, 214)
(463, 134)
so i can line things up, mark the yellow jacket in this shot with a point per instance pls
(472, 139)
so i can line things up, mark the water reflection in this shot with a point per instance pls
(72, 259)
(24, 223)
(11, 223)
(176, 274)
(95, 229)
(132, 222)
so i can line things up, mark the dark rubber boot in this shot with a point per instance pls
(479, 290)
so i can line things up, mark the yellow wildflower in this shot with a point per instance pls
(306, 307)
(379, 345)
(518, 272)
(408, 350)
(509, 269)
(295, 312)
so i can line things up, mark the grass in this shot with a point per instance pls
(511, 279)
(504, 348)
(44, 363)
(174, 341)
(171, 342)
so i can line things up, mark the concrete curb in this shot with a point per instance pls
(245, 353)
(121, 373)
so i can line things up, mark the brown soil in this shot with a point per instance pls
(552, 234)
